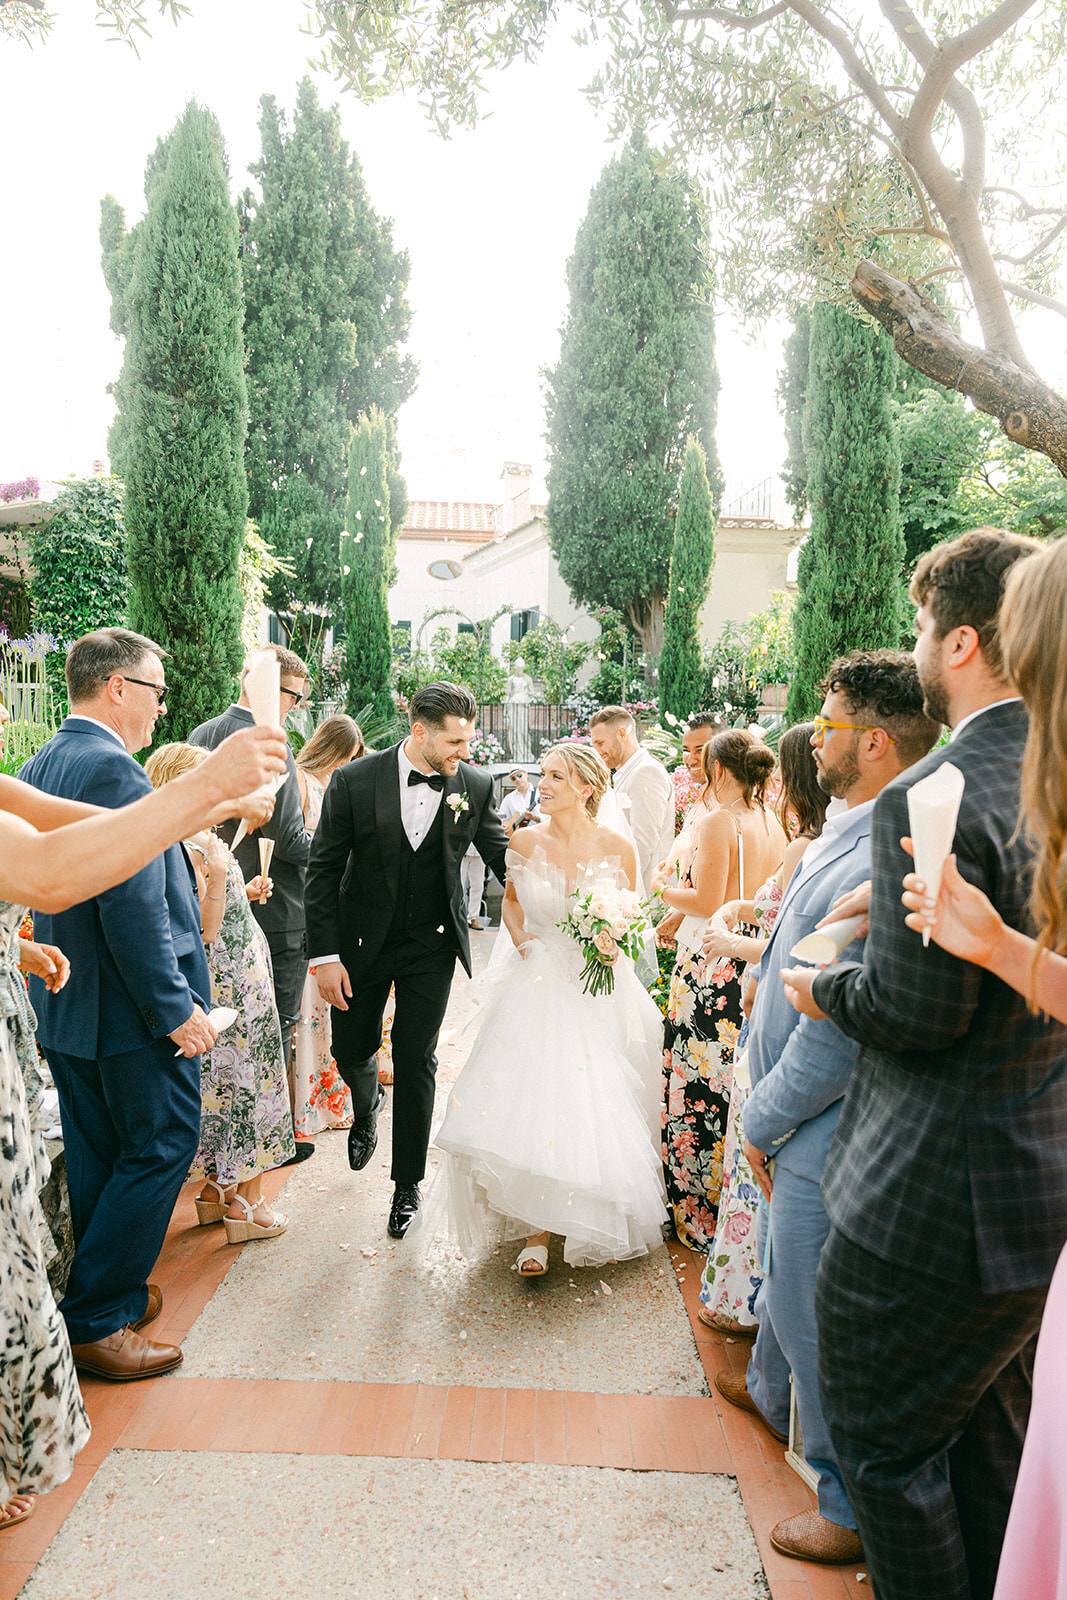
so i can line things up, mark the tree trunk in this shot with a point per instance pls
(1029, 412)
(647, 619)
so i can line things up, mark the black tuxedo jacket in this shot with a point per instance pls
(355, 856)
(951, 1150)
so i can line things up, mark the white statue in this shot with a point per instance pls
(519, 694)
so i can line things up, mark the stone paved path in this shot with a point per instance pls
(362, 1420)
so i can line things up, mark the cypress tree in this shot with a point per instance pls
(849, 573)
(792, 403)
(181, 430)
(368, 548)
(636, 376)
(681, 675)
(326, 318)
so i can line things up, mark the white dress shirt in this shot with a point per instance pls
(515, 804)
(419, 803)
(647, 793)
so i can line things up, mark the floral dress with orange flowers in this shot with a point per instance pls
(703, 1021)
(322, 1097)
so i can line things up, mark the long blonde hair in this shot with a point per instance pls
(1034, 642)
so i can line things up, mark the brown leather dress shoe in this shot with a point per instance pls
(152, 1309)
(733, 1387)
(809, 1537)
(125, 1355)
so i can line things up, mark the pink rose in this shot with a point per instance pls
(606, 944)
(737, 1226)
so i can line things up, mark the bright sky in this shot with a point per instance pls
(488, 219)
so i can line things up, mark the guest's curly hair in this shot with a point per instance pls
(883, 687)
(584, 766)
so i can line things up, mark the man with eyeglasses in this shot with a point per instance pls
(138, 987)
(282, 917)
(871, 726)
(946, 1186)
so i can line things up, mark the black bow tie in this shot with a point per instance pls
(434, 779)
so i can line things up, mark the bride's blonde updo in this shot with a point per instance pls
(584, 766)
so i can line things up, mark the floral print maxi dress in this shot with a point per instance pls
(245, 1124)
(732, 1275)
(42, 1420)
(703, 1022)
(322, 1097)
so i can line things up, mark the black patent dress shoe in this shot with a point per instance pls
(406, 1201)
(304, 1151)
(363, 1135)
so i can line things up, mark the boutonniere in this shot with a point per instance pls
(459, 804)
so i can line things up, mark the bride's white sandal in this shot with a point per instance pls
(533, 1261)
(240, 1229)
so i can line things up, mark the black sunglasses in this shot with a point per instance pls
(158, 689)
(294, 695)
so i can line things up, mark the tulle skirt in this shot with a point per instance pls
(554, 1122)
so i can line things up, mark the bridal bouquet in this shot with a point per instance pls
(603, 921)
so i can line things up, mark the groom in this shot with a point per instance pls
(385, 907)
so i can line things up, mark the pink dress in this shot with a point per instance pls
(1033, 1562)
(322, 1098)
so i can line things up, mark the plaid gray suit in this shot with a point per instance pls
(946, 1188)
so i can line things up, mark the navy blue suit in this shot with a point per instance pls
(130, 1107)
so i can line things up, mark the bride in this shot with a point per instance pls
(553, 1126)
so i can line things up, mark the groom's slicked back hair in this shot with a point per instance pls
(97, 656)
(431, 704)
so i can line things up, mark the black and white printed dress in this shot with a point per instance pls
(42, 1420)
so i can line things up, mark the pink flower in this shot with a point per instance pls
(737, 1227)
(606, 944)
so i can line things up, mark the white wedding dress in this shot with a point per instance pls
(554, 1122)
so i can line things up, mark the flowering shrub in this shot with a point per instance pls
(25, 489)
(485, 750)
(686, 792)
(333, 675)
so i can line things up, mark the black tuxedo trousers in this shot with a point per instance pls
(422, 978)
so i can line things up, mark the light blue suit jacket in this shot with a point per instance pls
(800, 1068)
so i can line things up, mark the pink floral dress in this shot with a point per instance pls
(323, 1099)
(732, 1273)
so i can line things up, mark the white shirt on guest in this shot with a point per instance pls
(419, 802)
(648, 793)
(515, 804)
